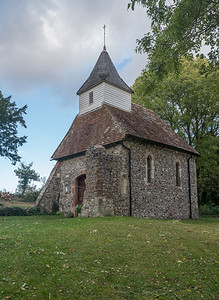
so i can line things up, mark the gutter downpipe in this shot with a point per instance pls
(130, 179)
(189, 182)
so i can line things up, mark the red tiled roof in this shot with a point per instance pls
(109, 125)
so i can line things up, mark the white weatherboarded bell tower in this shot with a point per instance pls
(104, 86)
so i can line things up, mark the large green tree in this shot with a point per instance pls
(25, 175)
(189, 103)
(10, 118)
(178, 28)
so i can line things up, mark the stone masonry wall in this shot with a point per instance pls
(107, 183)
(161, 198)
(50, 195)
(107, 191)
(70, 170)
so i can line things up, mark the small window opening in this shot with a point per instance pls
(66, 188)
(91, 98)
(124, 184)
(177, 174)
(148, 169)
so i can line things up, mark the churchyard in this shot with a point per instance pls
(54, 257)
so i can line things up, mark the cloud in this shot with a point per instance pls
(55, 43)
(47, 50)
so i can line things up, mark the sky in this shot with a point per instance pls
(47, 50)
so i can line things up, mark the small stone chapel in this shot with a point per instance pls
(119, 158)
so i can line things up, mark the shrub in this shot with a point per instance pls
(69, 214)
(30, 196)
(13, 211)
(209, 210)
(55, 207)
(78, 209)
(32, 211)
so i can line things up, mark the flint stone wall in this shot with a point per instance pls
(50, 194)
(162, 198)
(107, 191)
(107, 183)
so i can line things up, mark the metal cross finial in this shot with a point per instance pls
(104, 46)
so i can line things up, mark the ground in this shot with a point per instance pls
(15, 203)
(52, 257)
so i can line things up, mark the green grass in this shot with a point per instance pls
(52, 257)
(15, 203)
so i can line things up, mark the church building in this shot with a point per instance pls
(119, 158)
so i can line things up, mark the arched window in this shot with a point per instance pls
(178, 179)
(149, 168)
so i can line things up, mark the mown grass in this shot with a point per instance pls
(15, 203)
(51, 257)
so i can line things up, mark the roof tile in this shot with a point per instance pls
(109, 125)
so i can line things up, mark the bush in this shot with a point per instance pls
(69, 215)
(33, 211)
(78, 209)
(18, 211)
(209, 210)
(13, 211)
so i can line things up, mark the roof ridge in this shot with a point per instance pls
(145, 108)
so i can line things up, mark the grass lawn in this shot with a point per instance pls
(15, 203)
(52, 257)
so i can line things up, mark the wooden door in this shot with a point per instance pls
(81, 189)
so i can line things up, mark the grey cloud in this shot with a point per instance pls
(57, 42)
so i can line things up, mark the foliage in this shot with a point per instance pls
(108, 258)
(178, 28)
(10, 117)
(78, 209)
(13, 211)
(25, 176)
(69, 215)
(32, 211)
(55, 207)
(19, 211)
(30, 194)
(189, 103)
(209, 210)
(55, 204)
(208, 170)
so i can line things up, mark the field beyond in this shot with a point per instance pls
(52, 257)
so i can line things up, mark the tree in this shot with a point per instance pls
(208, 170)
(10, 117)
(178, 28)
(26, 175)
(189, 103)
